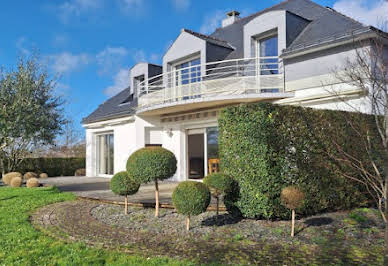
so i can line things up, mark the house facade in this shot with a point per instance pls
(285, 54)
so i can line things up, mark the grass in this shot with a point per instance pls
(21, 244)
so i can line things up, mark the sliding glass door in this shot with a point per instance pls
(105, 154)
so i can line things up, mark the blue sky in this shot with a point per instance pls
(93, 43)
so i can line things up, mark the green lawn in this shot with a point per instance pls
(21, 244)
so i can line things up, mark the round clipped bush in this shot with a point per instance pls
(219, 184)
(123, 184)
(292, 197)
(32, 182)
(43, 176)
(152, 164)
(7, 178)
(30, 175)
(80, 172)
(16, 181)
(191, 198)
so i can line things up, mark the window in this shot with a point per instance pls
(188, 72)
(267, 50)
(105, 154)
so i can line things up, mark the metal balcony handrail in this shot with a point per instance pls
(254, 74)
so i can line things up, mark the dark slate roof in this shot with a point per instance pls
(209, 39)
(324, 24)
(113, 108)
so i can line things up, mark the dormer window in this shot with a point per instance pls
(188, 72)
(267, 49)
(128, 100)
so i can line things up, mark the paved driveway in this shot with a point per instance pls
(98, 188)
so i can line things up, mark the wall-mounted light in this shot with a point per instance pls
(169, 132)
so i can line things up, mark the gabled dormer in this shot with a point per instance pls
(141, 74)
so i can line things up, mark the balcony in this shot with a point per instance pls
(213, 84)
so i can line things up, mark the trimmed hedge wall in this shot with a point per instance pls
(267, 147)
(52, 166)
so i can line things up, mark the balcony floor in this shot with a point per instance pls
(210, 102)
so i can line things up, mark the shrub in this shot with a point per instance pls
(52, 166)
(292, 197)
(152, 164)
(43, 176)
(219, 184)
(16, 181)
(191, 198)
(32, 182)
(29, 175)
(122, 184)
(80, 172)
(266, 147)
(7, 178)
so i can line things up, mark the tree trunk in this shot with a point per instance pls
(188, 223)
(386, 211)
(217, 202)
(156, 199)
(126, 205)
(293, 223)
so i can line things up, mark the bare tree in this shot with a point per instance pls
(368, 71)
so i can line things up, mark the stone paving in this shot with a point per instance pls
(98, 188)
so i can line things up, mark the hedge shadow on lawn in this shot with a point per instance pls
(221, 220)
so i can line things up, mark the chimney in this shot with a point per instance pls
(231, 17)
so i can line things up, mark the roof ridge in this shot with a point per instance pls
(205, 35)
(346, 16)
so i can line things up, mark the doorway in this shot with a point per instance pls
(202, 148)
(196, 155)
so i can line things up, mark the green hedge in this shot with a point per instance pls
(52, 166)
(266, 147)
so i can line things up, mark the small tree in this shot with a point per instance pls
(30, 113)
(191, 198)
(122, 184)
(152, 164)
(292, 197)
(219, 184)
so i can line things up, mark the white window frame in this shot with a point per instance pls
(97, 152)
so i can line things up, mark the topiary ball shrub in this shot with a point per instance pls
(43, 176)
(152, 164)
(123, 184)
(16, 181)
(29, 175)
(32, 182)
(7, 178)
(219, 184)
(80, 172)
(191, 198)
(292, 197)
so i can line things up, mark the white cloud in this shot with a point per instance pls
(67, 62)
(139, 56)
(75, 8)
(20, 45)
(133, 7)
(60, 40)
(212, 22)
(110, 59)
(121, 81)
(373, 13)
(181, 5)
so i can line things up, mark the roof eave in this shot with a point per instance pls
(326, 45)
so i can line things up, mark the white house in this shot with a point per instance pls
(285, 54)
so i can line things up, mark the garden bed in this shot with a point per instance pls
(342, 237)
